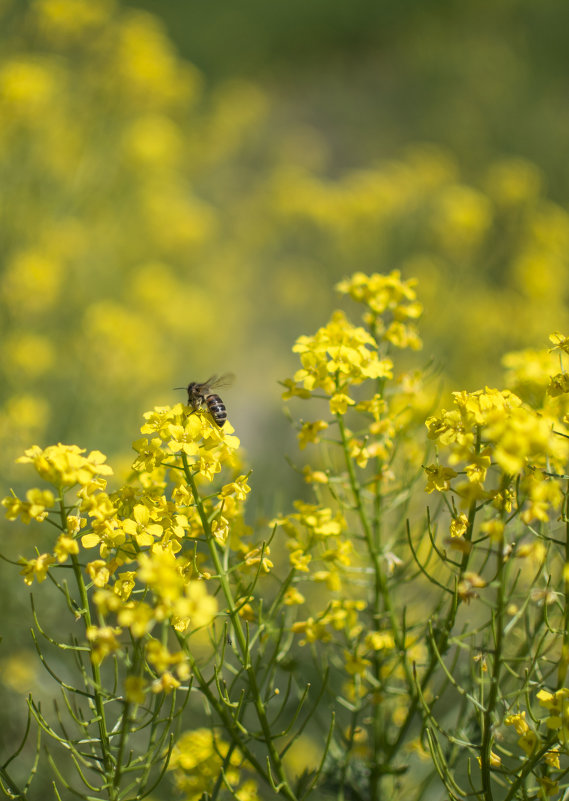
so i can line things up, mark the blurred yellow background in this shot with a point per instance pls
(183, 183)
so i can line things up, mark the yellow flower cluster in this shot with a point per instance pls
(339, 354)
(325, 540)
(383, 294)
(197, 761)
(317, 544)
(65, 466)
(340, 616)
(494, 429)
(530, 740)
(146, 537)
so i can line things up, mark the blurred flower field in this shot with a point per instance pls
(156, 230)
(159, 225)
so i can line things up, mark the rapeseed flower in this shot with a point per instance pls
(36, 568)
(197, 759)
(339, 354)
(492, 432)
(35, 507)
(65, 466)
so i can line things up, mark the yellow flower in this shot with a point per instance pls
(293, 596)
(558, 384)
(559, 342)
(197, 759)
(198, 606)
(65, 546)
(99, 572)
(339, 403)
(462, 218)
(438, 478)
(359, 452)
(165, 684)
(65, 466)
(459, 526)
(31, 281)
(314, 476)
(552, 757)
(140, 528)
(159, 656)
(293, 391)
(382, 292)
(159, 419)
(124, 584)
(259, 556)
(557, 704)
(518, 721)
(494, 529)
(161, 572)
(29, 354)
(376, 407)
(378, 640)
(355, 664)
(495, 760)
(310, 433)
(312, 630)
(61, 20)
(209, 464)
(321, 520)
(27, 86)
(138, 616)
(150, 454)
(513, 181)
(339, 349)
(220, 529)
(36, 568)
(240, 488)
(152, 141)
(183, 440)
(35, 507)
(476, 471)
(403, 336)
(103, 642)
(529, 742)
(300, 560)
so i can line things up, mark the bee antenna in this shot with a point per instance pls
(179, 387)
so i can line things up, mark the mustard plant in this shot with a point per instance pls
(161, 575)
(406, 648)
(443, 630)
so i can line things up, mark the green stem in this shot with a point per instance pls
(381, 603)
(488, 716)
(240, 636)
(441, 644)
(15, 791)
(108, 760)
(564, 659)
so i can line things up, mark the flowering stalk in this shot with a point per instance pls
(491, 702)
(381, 603)
(95, 668)
(242, 639)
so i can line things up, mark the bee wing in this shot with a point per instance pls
(216, 382)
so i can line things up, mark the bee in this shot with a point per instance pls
(200, 395)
